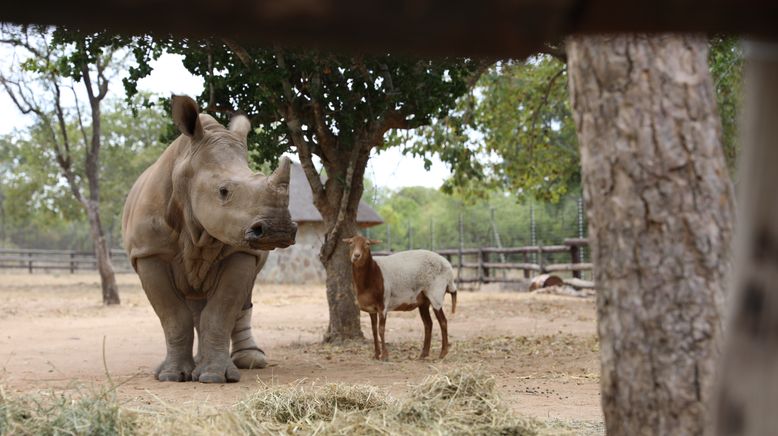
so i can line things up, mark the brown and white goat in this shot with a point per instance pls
(402, 281)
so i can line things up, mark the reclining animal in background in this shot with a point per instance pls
(196, 225)
(401, 281)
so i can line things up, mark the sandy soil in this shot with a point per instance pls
(55, 334)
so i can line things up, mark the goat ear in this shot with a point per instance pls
(375, 241)
(186, 116)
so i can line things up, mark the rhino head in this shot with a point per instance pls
(215, 191)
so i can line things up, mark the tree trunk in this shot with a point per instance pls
(748, 391)
(344, 312)
(102, 255)
(660, 213)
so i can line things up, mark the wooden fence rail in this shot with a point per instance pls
(473, 265)
(485, 267)
(50, 260)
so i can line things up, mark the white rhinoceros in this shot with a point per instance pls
(196, 225)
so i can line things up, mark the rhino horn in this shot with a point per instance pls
(281, 174)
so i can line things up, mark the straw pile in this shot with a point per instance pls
(460, 402)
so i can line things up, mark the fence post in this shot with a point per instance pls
(461, 247)
(389, 237)
(72, 262)
(483, 258)
(532, 229)
(526, 260)
(581, 228)
(29, 263)
(575, 258)
(540, 260)
(432, 235)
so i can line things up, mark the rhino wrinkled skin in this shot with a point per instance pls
(197, 225)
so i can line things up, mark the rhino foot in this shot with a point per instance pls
(216, 372)
(173, 371)
(249, 358)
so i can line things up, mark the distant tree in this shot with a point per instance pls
(331, 106)
(36, 198)
(514, 131)
(45, 69)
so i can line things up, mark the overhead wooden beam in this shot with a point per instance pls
(445, 27)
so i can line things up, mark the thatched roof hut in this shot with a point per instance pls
(301, 202)
(300, 262)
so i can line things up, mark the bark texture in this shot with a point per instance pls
(748, 392)
(344, 312)
(660, 212)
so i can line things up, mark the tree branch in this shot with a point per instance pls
(62, 126)
(556, 51)
(326, 139)
(240, 52)
(332, 238)
(80, 120)
(296, 134)
(536, 114)
(483, 66)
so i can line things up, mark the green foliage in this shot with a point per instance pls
(38, 208)
(726, 67)
(415, 215)
(513, 132)
(355, 93)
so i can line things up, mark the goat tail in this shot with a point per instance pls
(451, 288)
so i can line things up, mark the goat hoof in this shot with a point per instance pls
(423, 356)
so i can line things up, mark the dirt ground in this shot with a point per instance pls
(55, 334)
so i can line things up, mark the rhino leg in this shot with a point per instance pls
(245, 352)
(175, 317)
(217, 319)
(196, 307)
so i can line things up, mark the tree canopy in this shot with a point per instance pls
(514, 131)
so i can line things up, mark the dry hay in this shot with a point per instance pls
(462, 401)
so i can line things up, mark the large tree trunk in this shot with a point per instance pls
(92, 164)
(102, 255)
(344, 312)
(748, 391)
(660, 213)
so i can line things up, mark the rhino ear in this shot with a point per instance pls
(186, 116)
(241, 125)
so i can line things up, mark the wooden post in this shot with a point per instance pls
(483, 257)
(461, 246)
(389, 237)
(29, 263)
(540, 259)
(526, 260)
(72, 262)
(432, 234)
(575, 258)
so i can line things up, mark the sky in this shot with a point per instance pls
(389, 168)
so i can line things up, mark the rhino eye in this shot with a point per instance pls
(224, 192)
